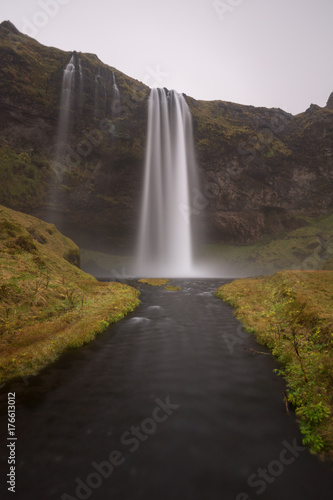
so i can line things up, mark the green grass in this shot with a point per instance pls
(307, 248)
(103, 264)
(47, 304)
(292, 313)
(24, 177)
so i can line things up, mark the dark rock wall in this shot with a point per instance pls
(262, 171)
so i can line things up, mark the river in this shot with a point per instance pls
(171, 403)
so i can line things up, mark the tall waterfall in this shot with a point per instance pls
(65, 116)
(165, 233)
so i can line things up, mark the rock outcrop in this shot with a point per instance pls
(329, 103)
(263, 171)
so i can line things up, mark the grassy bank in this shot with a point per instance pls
(306, 248)
(47, 304)
(292, 313)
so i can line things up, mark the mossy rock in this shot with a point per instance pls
(73, 256)
(23, 244)
(154, 281)
(328, 265)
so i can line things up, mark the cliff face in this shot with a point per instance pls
(97, 191)
(262, 170)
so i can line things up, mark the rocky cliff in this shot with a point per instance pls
(263, 171)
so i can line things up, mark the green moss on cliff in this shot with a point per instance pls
(24, 176)
(309, 247)
(31, 72)
(220, 126)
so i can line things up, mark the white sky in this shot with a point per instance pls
(274, 53)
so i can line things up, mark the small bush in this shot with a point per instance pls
(23, 243)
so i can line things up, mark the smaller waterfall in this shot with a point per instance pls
(116, 93)
(115, 96)
(165, 234)
(97, 83)
(80, 85)
(65, 122)
(65, 116)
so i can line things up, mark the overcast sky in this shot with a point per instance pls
(274, 53)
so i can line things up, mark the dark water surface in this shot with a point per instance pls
(164, 405)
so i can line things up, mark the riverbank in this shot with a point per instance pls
(47, 304)
(292, 313)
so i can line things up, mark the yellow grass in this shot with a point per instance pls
(47, 304)
(292, 313)
(154, 281)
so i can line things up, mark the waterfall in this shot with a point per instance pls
(65, 116)
(115, 87)
(115, 96)
(97, 83)
(165, 233)
(80, 85)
